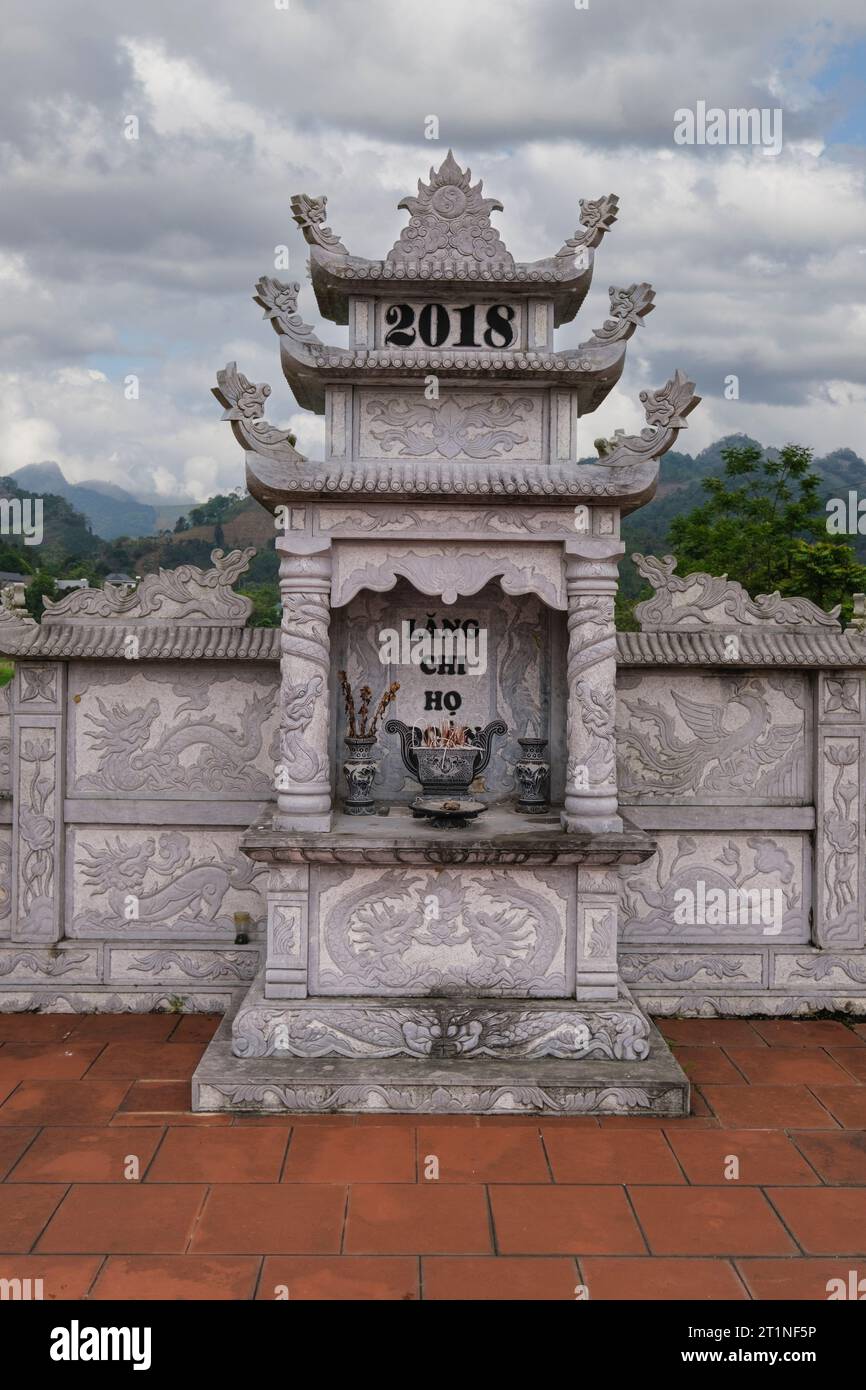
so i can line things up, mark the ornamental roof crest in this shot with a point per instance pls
(450, 218)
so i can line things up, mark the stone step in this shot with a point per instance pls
(655, 1085)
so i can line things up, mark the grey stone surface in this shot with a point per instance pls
(655, 1085)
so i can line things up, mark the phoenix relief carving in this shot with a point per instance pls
(736, 745)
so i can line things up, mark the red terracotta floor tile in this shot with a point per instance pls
(13, 1142)
(46, 1061)
(155, 1098)
(82, 1102)
(63, 1276)
(347, 1154)
(24, 1211)
(293, 1121)
(148, 1061)
(339, 1277)
(860, 1029)
(126, 1027)
(562, 1220)
(707, 1065)
(123, 1219)
(806, 1032)
(611, 1157)
(711, 1221)
(498, 1153)
(839, 1157)
(659, 1278)
(766, 1107)
(196, 1028)
(853, 1059)
(21, 1028)
(824, 1220)
(789, 1280)
(134, 1278)
(787, 1066)
(271, 1219)
(178, 1118)
(468, 1279)
(398, 1219)
(219, 1155)
(67, 1154)
(764, 1156)
(847, 1104)
(709, 1032)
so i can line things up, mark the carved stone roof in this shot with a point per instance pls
(450, 240)
(700, 601)
(756, 646)
(627, 470)
(156, 642)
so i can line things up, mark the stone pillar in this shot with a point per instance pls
(38, 756)
(591, 801)
(303, 776)
(287, 962)
(597, 912)
(840, 786)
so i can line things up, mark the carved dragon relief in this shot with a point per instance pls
(157, 884)
(185, 594)
(502, 936)
(666, 411)
(699, 601)
(245, 407)
(140, 750)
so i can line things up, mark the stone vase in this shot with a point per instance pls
(532, 773)
(359, 770)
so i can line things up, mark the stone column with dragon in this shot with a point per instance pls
(303, 775)
(591, 801)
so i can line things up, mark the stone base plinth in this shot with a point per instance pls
(655, 1085)
(441, 1028)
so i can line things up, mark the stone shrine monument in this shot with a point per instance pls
(469, 960)
(445, 841)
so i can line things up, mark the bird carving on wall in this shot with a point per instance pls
(724, 746)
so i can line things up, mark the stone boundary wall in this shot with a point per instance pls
(125, 785)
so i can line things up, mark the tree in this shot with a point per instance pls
(764, 525)
(41, 586)
(266, 604)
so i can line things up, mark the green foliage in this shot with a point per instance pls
(7, 671)
(763, 524)
(266, 604)
(41, 586)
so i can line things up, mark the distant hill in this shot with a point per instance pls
(111, 510)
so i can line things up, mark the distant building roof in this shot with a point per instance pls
(120, 578)
(9, 577)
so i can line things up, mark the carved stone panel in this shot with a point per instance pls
(161, 964)
(799, 971)
(712, 737)
(37, 844)
(701, 887)
(460, 425)
(138, 883)
(692, 969)
(164, 732)
(5, 880)
(399, 932)
(45, 965)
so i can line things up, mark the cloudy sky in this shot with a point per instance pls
(122, 256)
